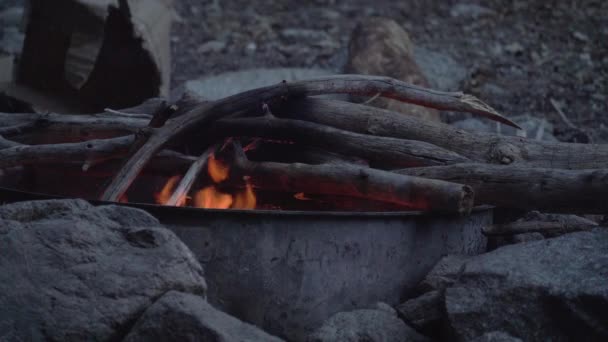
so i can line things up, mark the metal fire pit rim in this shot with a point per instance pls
(191, 211)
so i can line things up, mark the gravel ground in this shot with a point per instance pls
(519, 54)
(522, 57)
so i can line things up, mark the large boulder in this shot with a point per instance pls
(380, 46)
(554, 289)
(179, 316)
(365, 325)
(70, 271)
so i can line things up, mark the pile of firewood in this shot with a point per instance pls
(344, 149)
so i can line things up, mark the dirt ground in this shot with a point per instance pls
(519, 54)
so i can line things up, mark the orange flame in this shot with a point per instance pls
(217, 170)
(211, 198)
(164, 195)
(245, 199)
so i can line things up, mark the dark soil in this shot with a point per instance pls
(519, 55)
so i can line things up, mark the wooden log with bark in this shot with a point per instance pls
(409, 192)
(381, 152)
(553, 190)
(349, 84)
(479, 147)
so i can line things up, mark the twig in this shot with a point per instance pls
(541, 130)
(563, 116)
(178, 197)
(371, 99)
(127, 115)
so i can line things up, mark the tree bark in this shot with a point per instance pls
(549, 190)
(479, 147)
(381, 152)
(410, 192)
(515, 228)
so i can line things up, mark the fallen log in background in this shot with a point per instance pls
(479, 147)
(550, 190)
(351, 84)
(411, 192)
(525, 227)
(381, 152)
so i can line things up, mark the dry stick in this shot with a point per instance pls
(481, 147)
(61, 128)
(86, 152)
(360, 182)
(514, 228)
(381, 152)
(353, 84)
(179, 195)
(549, 190)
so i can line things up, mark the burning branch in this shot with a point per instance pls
(359, 182)
(178, 197)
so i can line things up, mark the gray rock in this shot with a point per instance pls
(179, 316)
(554, 289)
(472, 11)
(527, 237)
(230, 83)
(496, 336)
(11, 17)
(365, 325)
(441, 70)
(444, 273)
(474, 125)
(212, 46)
(297, 35)
(423, 313)
(385, 307)
(500, 241)
(12, 40)
(533, 127)
(71, 271)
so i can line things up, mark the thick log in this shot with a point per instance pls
(525, 227)
(360, 182)
(549, 190)
(381, 152)
(480, 147)
(350, 84)
(264, 150)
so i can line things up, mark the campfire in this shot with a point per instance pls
(279, 147)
